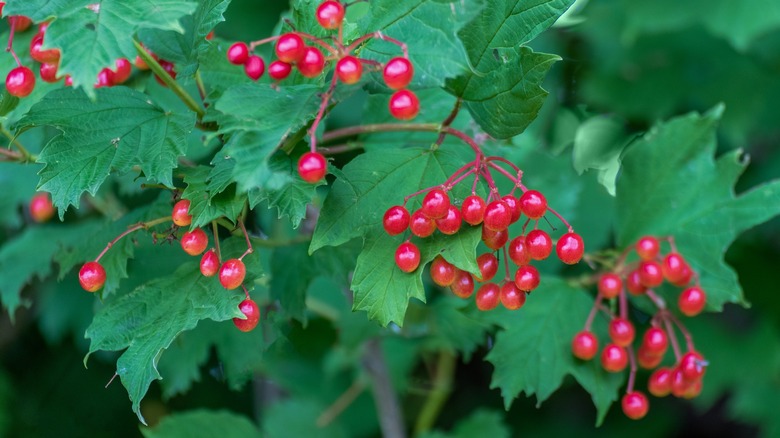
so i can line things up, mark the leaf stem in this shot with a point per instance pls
(249, 249)
(215, 232)
(442, 387)
(341, 403)
(26, 156)
(136, 227)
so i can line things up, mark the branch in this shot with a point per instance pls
(391, 419)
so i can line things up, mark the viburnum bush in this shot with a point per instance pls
(316, 208)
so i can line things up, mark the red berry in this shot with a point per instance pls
(693, 366)
(209, 263)
(585, 345)
(40, 55)
(655, 342)
(41, 208)
(511, 297)
(498, 216)
(436, 204)
(279, 70)
(169, 68)
(614, 358)
(249, 308)
(330, 14)
(312, 63)
(650, 274)
(647, 248)
(634, 283)
(527, 278)
(648, 360)
(92, 276)
(407, 257)
(20, 81)
(691, 301)
(123, 70)
(254, 67)
(443, 272)
(404, 105)
(396, 220)
(610, 285)
(488, 296)
(621, 331)
(105, 78)
(533, 204)
(674, 267)
(398, 73)
(232, 274)
(660, 382)
(570, 248)
(463, 286)
(450, 224)
(514, 206)
(635, 405)
(494, 240)
(488, 267)
(539, 244)
(290, 48)
(48, 72)
(473, 209)
(20, 22)
(692, 390)
(518, 251)
(421, 225)
(349, 69)
(312, 167)
(181, 213)
(194, 242)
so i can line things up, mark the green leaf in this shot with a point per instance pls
(147, 320)
(202, 423)
(453, 326)
(207, 205)
(18, 182)
(298, 417)
(533, 354)
(119, 130)
(91, 38)
(672, 185)
(598, 143)
(482, 423)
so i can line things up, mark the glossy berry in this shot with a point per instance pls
(614, 358)
(692, 365)
(488, 296)
(421, 225)
(463, 286)
(194, 242)
(254, 67)
(330, 14)
(511, 297)
(488, 267)
(570, 248)
(647, 248)
(396, 220)
(514, 206)
(675, 268)
(498, 216)
(435, 204)
(539, 244)
(279, 70)
(635, 405)
(312, 63)
(494, 240)
(621, 331)
(527, 278)
(43, 56)
(443, 272)
(312, 167)
(232, 274)
(41, 208)
(660, 382)
(349, 70)
(290, 48)
(20, 81)
(398, 73)
(584, 345)
(648, 360)
(48, 73)
(610, 285)
(122, 71)
(450, 223)
(655, 342)
(650, 274)
(105, 78)
(181, 213)
(678, 383)
(92, 276)
(634, 283)
(518, 251)
(252, 313)
(404, 105)
(473, 209)
(533, 204)
(691, 301)
(209, 263)
(407, 257)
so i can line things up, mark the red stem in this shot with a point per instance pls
(632, 373)
(592, 314)
(254, 44)
(672, 336)
(320, 113)
(623, 304)
(249, 249)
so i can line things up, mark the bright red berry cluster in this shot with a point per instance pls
(640, 278)
(494, 215)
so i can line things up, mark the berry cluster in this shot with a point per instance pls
(639, 278)
(232, 272)
(494, 215)
(292, 52)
